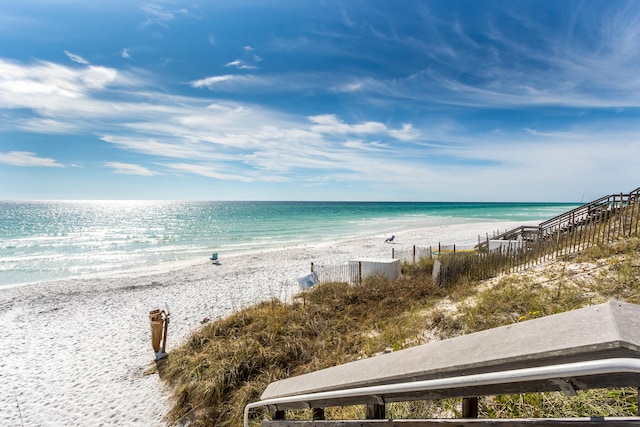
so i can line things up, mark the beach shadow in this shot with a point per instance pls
(157, 367)
(160, 366)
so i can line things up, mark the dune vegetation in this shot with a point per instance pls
(228, 363)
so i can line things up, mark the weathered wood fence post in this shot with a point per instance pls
(376, 411)
(317, 414)
(277, 414)
(470, 407)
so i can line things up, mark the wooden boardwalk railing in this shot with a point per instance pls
(596, 212)
(599, 222)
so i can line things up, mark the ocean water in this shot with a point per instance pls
(43, 240)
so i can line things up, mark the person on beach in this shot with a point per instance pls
(390, 239)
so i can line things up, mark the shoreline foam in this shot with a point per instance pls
(75, 351)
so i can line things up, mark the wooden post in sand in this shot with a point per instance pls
(155, 318)
(159, 325)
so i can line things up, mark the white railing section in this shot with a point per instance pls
(551, 372)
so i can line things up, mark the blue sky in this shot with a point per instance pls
(319, 100)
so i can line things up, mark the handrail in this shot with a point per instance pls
(576, 369)
(574, 210)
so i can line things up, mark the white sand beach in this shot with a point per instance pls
(74, 352)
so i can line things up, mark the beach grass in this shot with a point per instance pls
(227, 363)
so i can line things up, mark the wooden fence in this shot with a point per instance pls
(602, 221)
(348, 273)
(413, 254)
(599, 222)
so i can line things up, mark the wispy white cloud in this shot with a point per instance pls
(46, 126)
(208, 171)
(46, 79)
(129, 169)
(76, 58)
(361, 145)
(407, 133)
(125, 53)
(248, 62)
(349, 87)
(249, 50)
(156, 14)
(253, 83)
(330, 124)
(47, 89)
(248, 145)
(28, 159)
(240, 65)
(211, 81)
(156, 148)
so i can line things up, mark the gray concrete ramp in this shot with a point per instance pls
(606, 331)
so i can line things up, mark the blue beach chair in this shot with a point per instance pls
(214, 258)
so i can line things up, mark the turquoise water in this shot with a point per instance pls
(53, 240)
